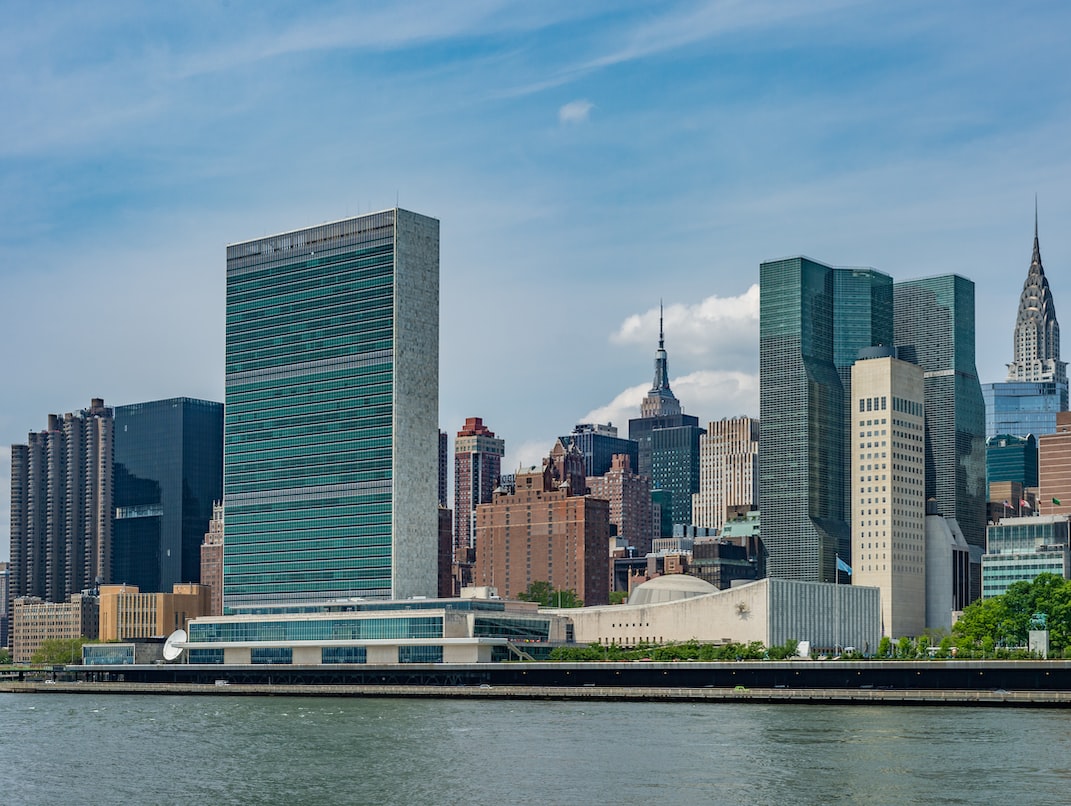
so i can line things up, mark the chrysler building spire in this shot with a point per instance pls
(1037, 333)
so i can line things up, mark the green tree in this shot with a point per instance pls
(1006, 619)
(924, 646)
(5, 657)
(545, 594)
(885, 647)
(618, 597)
(783, 651)
(59, 651)
(905, 648)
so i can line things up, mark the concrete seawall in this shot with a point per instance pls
(1029, 699)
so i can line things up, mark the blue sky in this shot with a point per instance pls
(585, 160)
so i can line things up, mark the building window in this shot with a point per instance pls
(271, 655)
(344, 654)
(420, 654)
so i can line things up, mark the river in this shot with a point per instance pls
(154, 749)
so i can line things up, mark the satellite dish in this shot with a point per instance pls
(172, 650)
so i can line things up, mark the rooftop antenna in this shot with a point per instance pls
(661, 332)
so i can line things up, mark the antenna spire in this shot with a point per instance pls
(661, 331)
(1035, 216)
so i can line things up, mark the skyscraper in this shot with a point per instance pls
(1036, 387)
(599, 444)
(61, 506)
(477, 468)
(728, 470)
(935, 329)
(331, 437)
(888, 487)
(814, 319)
(168, 473)
(668, 440)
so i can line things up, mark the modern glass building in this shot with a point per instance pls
(1012, 458)
(1019, 549)
(413, 631)
(862, 318)
(168, 473)
(600, 443)
(935, 329)
(805, 337)
(1023, 407)
(331, 434)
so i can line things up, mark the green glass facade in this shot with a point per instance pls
(1012, 458)
(814, 320)
(331, 432)
(935, 329)
(1019, 549)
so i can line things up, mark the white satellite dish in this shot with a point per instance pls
(172, 650)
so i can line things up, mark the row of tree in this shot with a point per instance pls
(1005, 621)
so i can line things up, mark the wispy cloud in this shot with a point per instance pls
(724, 330)
(707, 394)
(575, 112)
(529, 453)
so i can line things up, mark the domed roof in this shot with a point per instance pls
(670, 588)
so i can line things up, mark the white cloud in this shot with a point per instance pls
(707, 394)
(723, 329)
(575, 112)
(526, 454)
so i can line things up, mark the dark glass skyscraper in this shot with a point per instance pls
(168, 473)
(668, 442)
(599, 444)
(862, 318)
(330, 474)
(935, 329)
(814, 320)
(1012, 458)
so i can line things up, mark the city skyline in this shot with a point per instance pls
(649, 145)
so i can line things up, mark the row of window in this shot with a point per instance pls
(318, 630)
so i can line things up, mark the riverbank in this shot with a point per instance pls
(840, 696)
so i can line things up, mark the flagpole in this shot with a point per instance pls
(836, 609)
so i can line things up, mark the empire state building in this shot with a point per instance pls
(1036, 387)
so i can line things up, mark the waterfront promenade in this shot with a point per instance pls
(828, 696)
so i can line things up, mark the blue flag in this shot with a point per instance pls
(843, 566)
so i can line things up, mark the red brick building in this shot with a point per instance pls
(542, 532)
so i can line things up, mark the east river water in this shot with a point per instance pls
(150, 749)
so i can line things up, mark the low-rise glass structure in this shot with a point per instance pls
(1019, 549)
(356, 631)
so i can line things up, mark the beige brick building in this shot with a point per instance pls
(728, 471)
(35, 621)
(127, 613)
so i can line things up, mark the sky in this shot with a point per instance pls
(585, 160)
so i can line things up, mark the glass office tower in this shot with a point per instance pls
(862, 318)
(168, 473)
(801, 462)
(935, 329)
(330, 474)
(814, 320)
